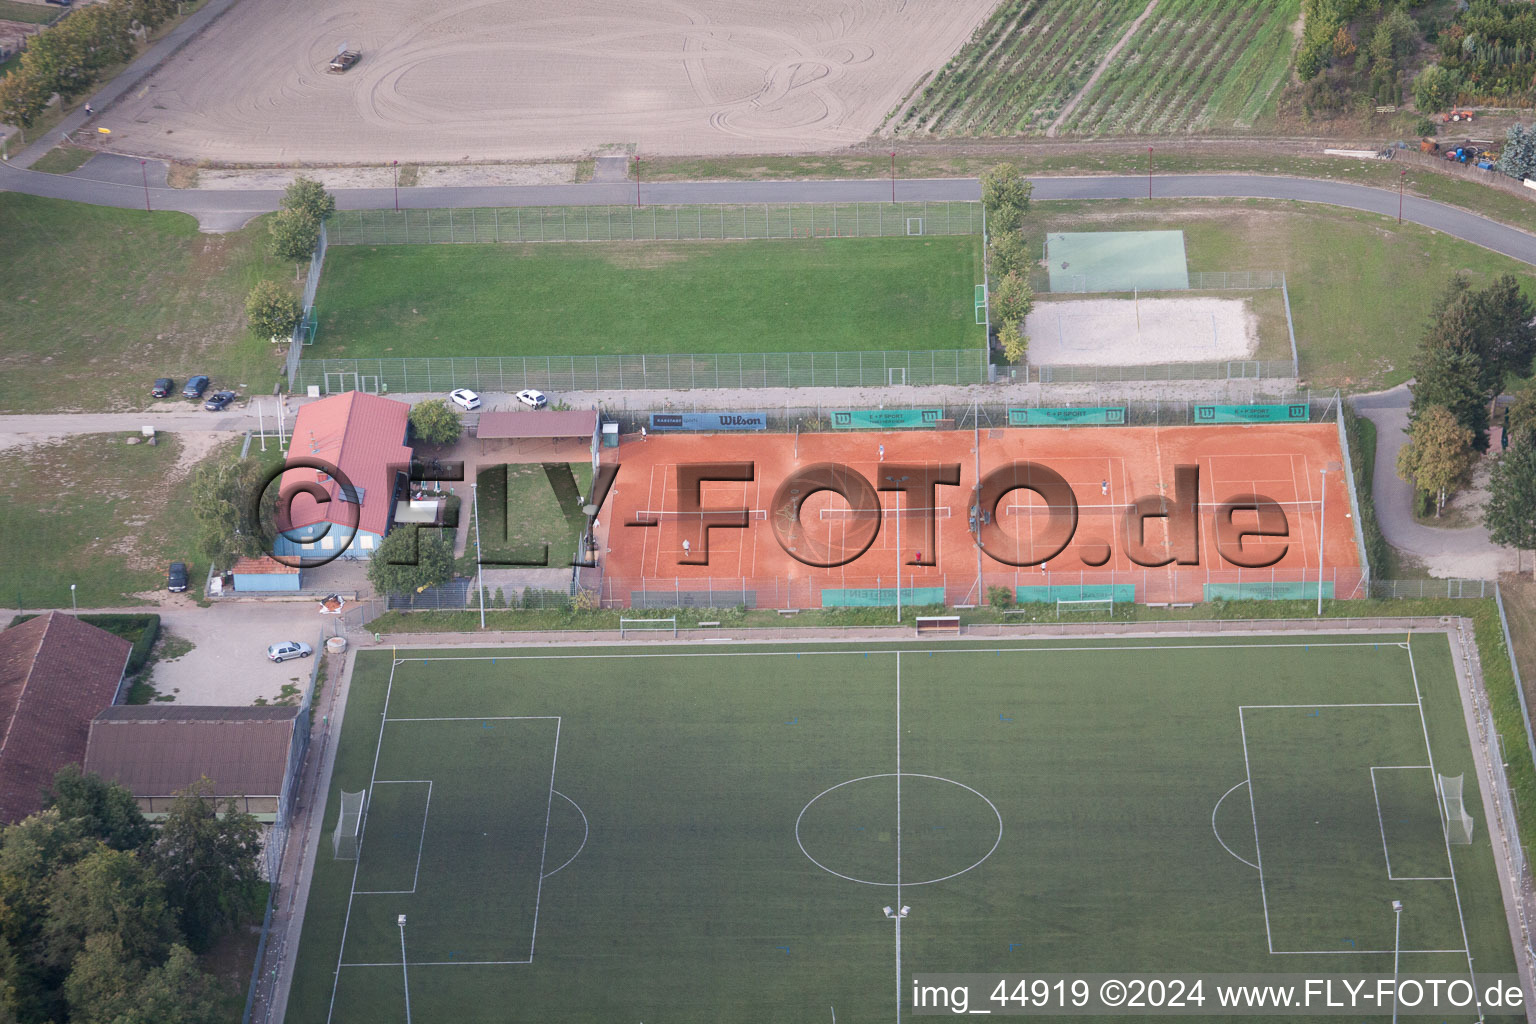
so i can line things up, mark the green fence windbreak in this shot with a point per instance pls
(880, 597)
(1266, 591)
(1075, 592)
(885, 419)
(1287, 412)
(1082, 416)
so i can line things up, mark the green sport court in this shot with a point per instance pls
(683, 833)
(1116, 261)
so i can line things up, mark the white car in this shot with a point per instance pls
(288, 649)
(533, 399)
(465, 399)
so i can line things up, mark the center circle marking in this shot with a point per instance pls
(905, 775)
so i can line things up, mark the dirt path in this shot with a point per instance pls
(1114, 51)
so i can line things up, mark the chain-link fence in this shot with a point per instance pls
(637, 372)
(304, 330)
(654, 223)
(1419, 589)
(1231, 369)
(1199, 281)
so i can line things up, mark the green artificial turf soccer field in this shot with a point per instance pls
(822, 295)
(691, 834)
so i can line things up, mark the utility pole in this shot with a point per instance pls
(1401, 177)
(893, 177)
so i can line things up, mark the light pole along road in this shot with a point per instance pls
(227, 209)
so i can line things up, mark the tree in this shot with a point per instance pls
(1450, 378)
(105, 810)
(1014, 345)
(224, 504)
(23, 99)
(272, 310)
(411, 559)
(1343, 45)
(103, 981)
(107, 891)
(207, 860)
(1436, 88)
(1503, 329)
(309, 196)
(1518, 160)
(1013, 301)
(1009, 254)
(176, 992)
(1438, 454)
(1005, 195)
(1510, 514)
(434, 422)
(294, 235)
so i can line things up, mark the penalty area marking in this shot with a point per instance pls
(1222, 841)
(586, 830)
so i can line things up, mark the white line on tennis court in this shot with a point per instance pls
(361, 836)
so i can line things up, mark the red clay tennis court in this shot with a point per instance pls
(1107, 469)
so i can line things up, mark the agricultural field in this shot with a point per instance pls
(1191, 65)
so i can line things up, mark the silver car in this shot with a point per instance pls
(288, 649)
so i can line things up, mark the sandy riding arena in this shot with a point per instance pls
(1126, 332)
(443, 80)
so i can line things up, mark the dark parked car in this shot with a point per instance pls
(218, 400)
(176, 579)
(163, 387)
(195, 387)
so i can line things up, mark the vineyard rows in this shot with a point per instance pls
(1194, 65)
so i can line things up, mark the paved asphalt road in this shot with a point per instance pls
(223, 210)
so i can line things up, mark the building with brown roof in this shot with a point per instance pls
(250, 754)
(56, 673)
(363, 437)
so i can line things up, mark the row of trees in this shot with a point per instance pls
(271, 308)
(101, 914)
(69, 58)
(1487, 54)
(1005, 195)
(1476, 338)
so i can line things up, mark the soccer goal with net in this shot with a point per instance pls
(628, 626)
(349, 826)
(1093, 605)
(1458, 823)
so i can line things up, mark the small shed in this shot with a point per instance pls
(549, 436)
(252, 755)
(265, 574)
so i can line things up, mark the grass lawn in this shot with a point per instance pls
(842, 294)
(32, 14)
(95, 512)
(532, 814)
(95, 303)
(1361, 286)
(63, 159)
(521, 515)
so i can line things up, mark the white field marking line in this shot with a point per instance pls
(1355, 952)
(1258, 853)
(416, 878)
(498, 963)
(1383, 825)
(1444, 825)
(683, 651)
(1256, 707)
(479, 718)
(405, 974)
(898, 837)
(1223, 842)
(361, 835)
(549, 807)
(586, 830)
